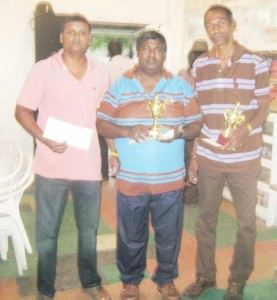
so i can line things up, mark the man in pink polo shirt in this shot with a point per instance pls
(67, 88)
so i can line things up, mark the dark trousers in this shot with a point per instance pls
(133, 212)
(243, 188)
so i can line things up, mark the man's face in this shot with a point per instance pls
(151, 56)
(75, 37)
(218, 27)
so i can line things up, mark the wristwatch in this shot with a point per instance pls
(181, 129)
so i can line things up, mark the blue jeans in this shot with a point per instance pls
(166, 211)
(51, 197)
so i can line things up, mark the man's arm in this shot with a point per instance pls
(190, 131)
(260, 116)
(113, 158)
(193, 166)
(26, 118)
(112, 131)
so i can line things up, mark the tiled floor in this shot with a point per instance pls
(261, 285)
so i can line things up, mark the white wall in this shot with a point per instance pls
(17, 41)
(16, 57)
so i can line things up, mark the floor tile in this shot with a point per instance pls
(261, 285)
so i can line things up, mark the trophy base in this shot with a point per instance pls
(222, 140)
(154, 134)
(212, 142)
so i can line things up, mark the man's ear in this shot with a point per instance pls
(234, 25)
(61, 37)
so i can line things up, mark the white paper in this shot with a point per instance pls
(213, 143)
(168, 134)
(73, 135)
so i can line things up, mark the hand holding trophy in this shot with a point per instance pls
(233, 118)
(156, 109)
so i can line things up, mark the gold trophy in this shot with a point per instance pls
(156, 109)
(233, 118)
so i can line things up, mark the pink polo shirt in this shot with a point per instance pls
(52, 90)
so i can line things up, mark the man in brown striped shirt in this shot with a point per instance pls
(226, 75)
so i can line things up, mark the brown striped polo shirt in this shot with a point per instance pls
(243, 80)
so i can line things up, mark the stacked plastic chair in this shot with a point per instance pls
(15, 177)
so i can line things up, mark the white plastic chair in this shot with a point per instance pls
(10, 160)
(12, 188)
(8, 228)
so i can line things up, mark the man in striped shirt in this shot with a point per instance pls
(151, 174)
(226, 75)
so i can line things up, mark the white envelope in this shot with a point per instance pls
(73, 135)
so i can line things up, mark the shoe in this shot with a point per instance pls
(169, 292)
(234, 291)
(43, 297)
(98, 293)
(197, 288)
(130, 292)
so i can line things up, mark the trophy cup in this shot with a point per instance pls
(156, 109)
(233, 118)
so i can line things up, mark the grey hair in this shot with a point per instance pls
(226, 9)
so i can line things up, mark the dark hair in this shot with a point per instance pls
(114, 48)
(75, 18)
(150, 35)
(192, 55)
(199, 47)
(226, 9)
